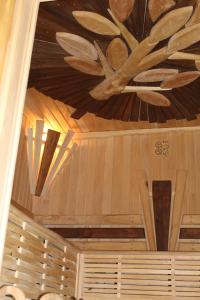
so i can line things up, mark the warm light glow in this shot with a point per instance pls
(36, 145)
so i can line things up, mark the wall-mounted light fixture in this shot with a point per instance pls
(48, 152)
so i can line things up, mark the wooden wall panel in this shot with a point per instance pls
(21, 186)
(102, 177)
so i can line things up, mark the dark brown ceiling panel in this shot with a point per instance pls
(53, 77)
(161, 204)
(101, 233)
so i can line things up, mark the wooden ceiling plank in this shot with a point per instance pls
(37, 150)
(162, 204)
(147, 211)
(49, 150)
(177, 209)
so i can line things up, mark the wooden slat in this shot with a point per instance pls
(162, 202)
(37, 150)
(177, 211)
(49, 149)
(37, 259)
(54, 169)
(147, 211)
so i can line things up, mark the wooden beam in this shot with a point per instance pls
(110, 246)
(112, 220)
(37, 150)
(177, 209)
(147, 211)
(49, 150)
(191, 221)
(22, 209)
(106, 134)
(161, 203)
(30, 157)
(14, 76)
(101, 233)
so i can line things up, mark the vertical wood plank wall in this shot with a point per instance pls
(102, 177)
(21, 187)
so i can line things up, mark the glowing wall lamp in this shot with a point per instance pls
(48, 152)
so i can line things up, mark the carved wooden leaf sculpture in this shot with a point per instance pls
(127, 35)
(196, 15)
(108, 71)
(184, 38)
(84, 65)
(154, 98)
(96, 23)
(170, 24)
(185, 55)
(117, 53)
(158, 7)
(197, 63)
(76, 45)
(181, 79)
(152, 59)
(122, 8)
(155, 75)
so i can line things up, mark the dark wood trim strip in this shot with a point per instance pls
(49, 149)
(22, 209)
(101, 233)
(190, 233)
(162, 204)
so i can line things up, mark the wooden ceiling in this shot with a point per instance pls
(53, 77)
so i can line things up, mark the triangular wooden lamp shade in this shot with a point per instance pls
(45, 158)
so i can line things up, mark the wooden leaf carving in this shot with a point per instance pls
(96, 23)
(155, 75)
(84, 65)
(121, 8)
(170, 23)
(196, 15)
(158, 7)
(154, 98)
(117, 53)
(184, 38)
(185, 56)
(197, 63)
(152, 59)
(127, 35)
(108, 71)
(181, 79)
(76, 45)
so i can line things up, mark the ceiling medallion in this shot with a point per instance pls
(126, 60)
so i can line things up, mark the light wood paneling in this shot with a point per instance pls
(21, 193)
(102, 177)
